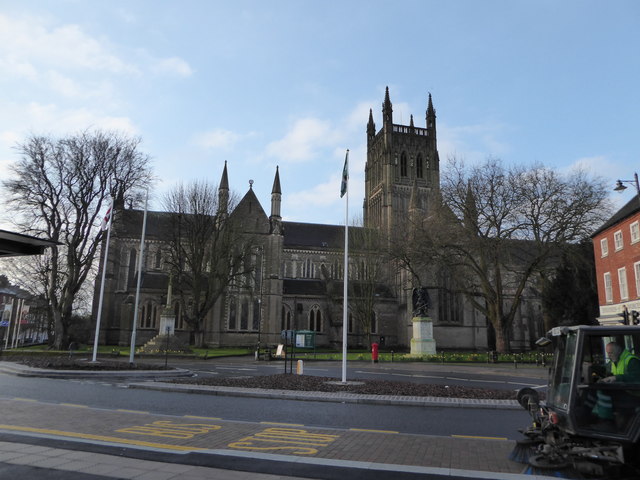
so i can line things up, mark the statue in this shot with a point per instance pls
(421, 302)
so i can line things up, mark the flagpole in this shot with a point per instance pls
(345, 303)
(132, 348)
(104, 271)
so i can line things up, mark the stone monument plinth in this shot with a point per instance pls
(422, 342)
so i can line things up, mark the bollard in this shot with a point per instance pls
(300, 367)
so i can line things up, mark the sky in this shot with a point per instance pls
(289, 83)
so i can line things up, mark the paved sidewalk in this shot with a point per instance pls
(42, 440)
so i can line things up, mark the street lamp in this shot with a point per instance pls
(620, 184)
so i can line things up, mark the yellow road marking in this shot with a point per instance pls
(371, 430)
(284, 424)
(103, 438)
(479, 438)
(131, 411)
(202, 418)
(74, 405)
(26, 399)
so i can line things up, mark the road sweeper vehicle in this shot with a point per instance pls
(589, 424)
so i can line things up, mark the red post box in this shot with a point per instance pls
(374, 352)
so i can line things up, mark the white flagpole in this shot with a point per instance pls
(345, 303)
(132, 348)
(104, 270)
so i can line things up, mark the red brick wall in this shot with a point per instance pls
(626, 257)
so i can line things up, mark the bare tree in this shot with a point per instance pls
(207, 251)
(497, 229)
(369, 266)
(59, 190)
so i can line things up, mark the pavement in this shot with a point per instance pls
(49, 441)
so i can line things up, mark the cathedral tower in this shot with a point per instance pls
(402, 168)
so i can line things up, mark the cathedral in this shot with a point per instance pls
(297, 282)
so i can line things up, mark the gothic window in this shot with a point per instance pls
(232, 313)
(308, 269)
(131, 275)
(449, 301)
(403, 165)
(148, 315)
(351, 324)
(244, 315)
(419, 172)
(256, 315)
(374, 323)
(157, 260)
(315, 319)
(285, 323)
(177, 312)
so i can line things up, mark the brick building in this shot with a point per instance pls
(616, 247)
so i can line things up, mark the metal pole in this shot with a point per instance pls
(132, 349)
(104, 271)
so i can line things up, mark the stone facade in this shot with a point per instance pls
(299, 266)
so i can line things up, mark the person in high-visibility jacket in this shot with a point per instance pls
(625, 367)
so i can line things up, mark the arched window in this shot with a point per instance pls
(315, 319)
(285, 323)
(232, 313)
(244, 315)
(131, 274)
(256, 315)
(179, 317)
(419, 172)
(403, 165)
(157, 260)
(351, 324)
(374, 323)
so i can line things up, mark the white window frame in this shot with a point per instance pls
(622, 280)
(618, 240)
(634, 230)
(608, 288)
(604, 247)
(636, 269)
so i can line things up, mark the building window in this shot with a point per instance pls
(419, 172)
(636, 269)
(350, 320)
(622, 279)
(286, 319)
(608, 290)
(403, 165)
(635, 232)
(374, 323)
(232, 313)
(315, 319)
(604, 247)
(617, 240)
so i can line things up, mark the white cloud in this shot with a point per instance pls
(173, 66)
(303, 141)
(32, 43)
(217, 138)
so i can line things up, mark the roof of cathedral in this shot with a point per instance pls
(316, 235)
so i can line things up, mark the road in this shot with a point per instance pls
(108, 410)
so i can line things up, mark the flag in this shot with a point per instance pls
(345, 176)
(106, 221)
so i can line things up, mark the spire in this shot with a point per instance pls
(387, 110)
(371, 127)
(431, 115)
(411, 122)
(223, 191)
(276, 198)
(276, 183)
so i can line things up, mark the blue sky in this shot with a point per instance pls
(261, 83)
